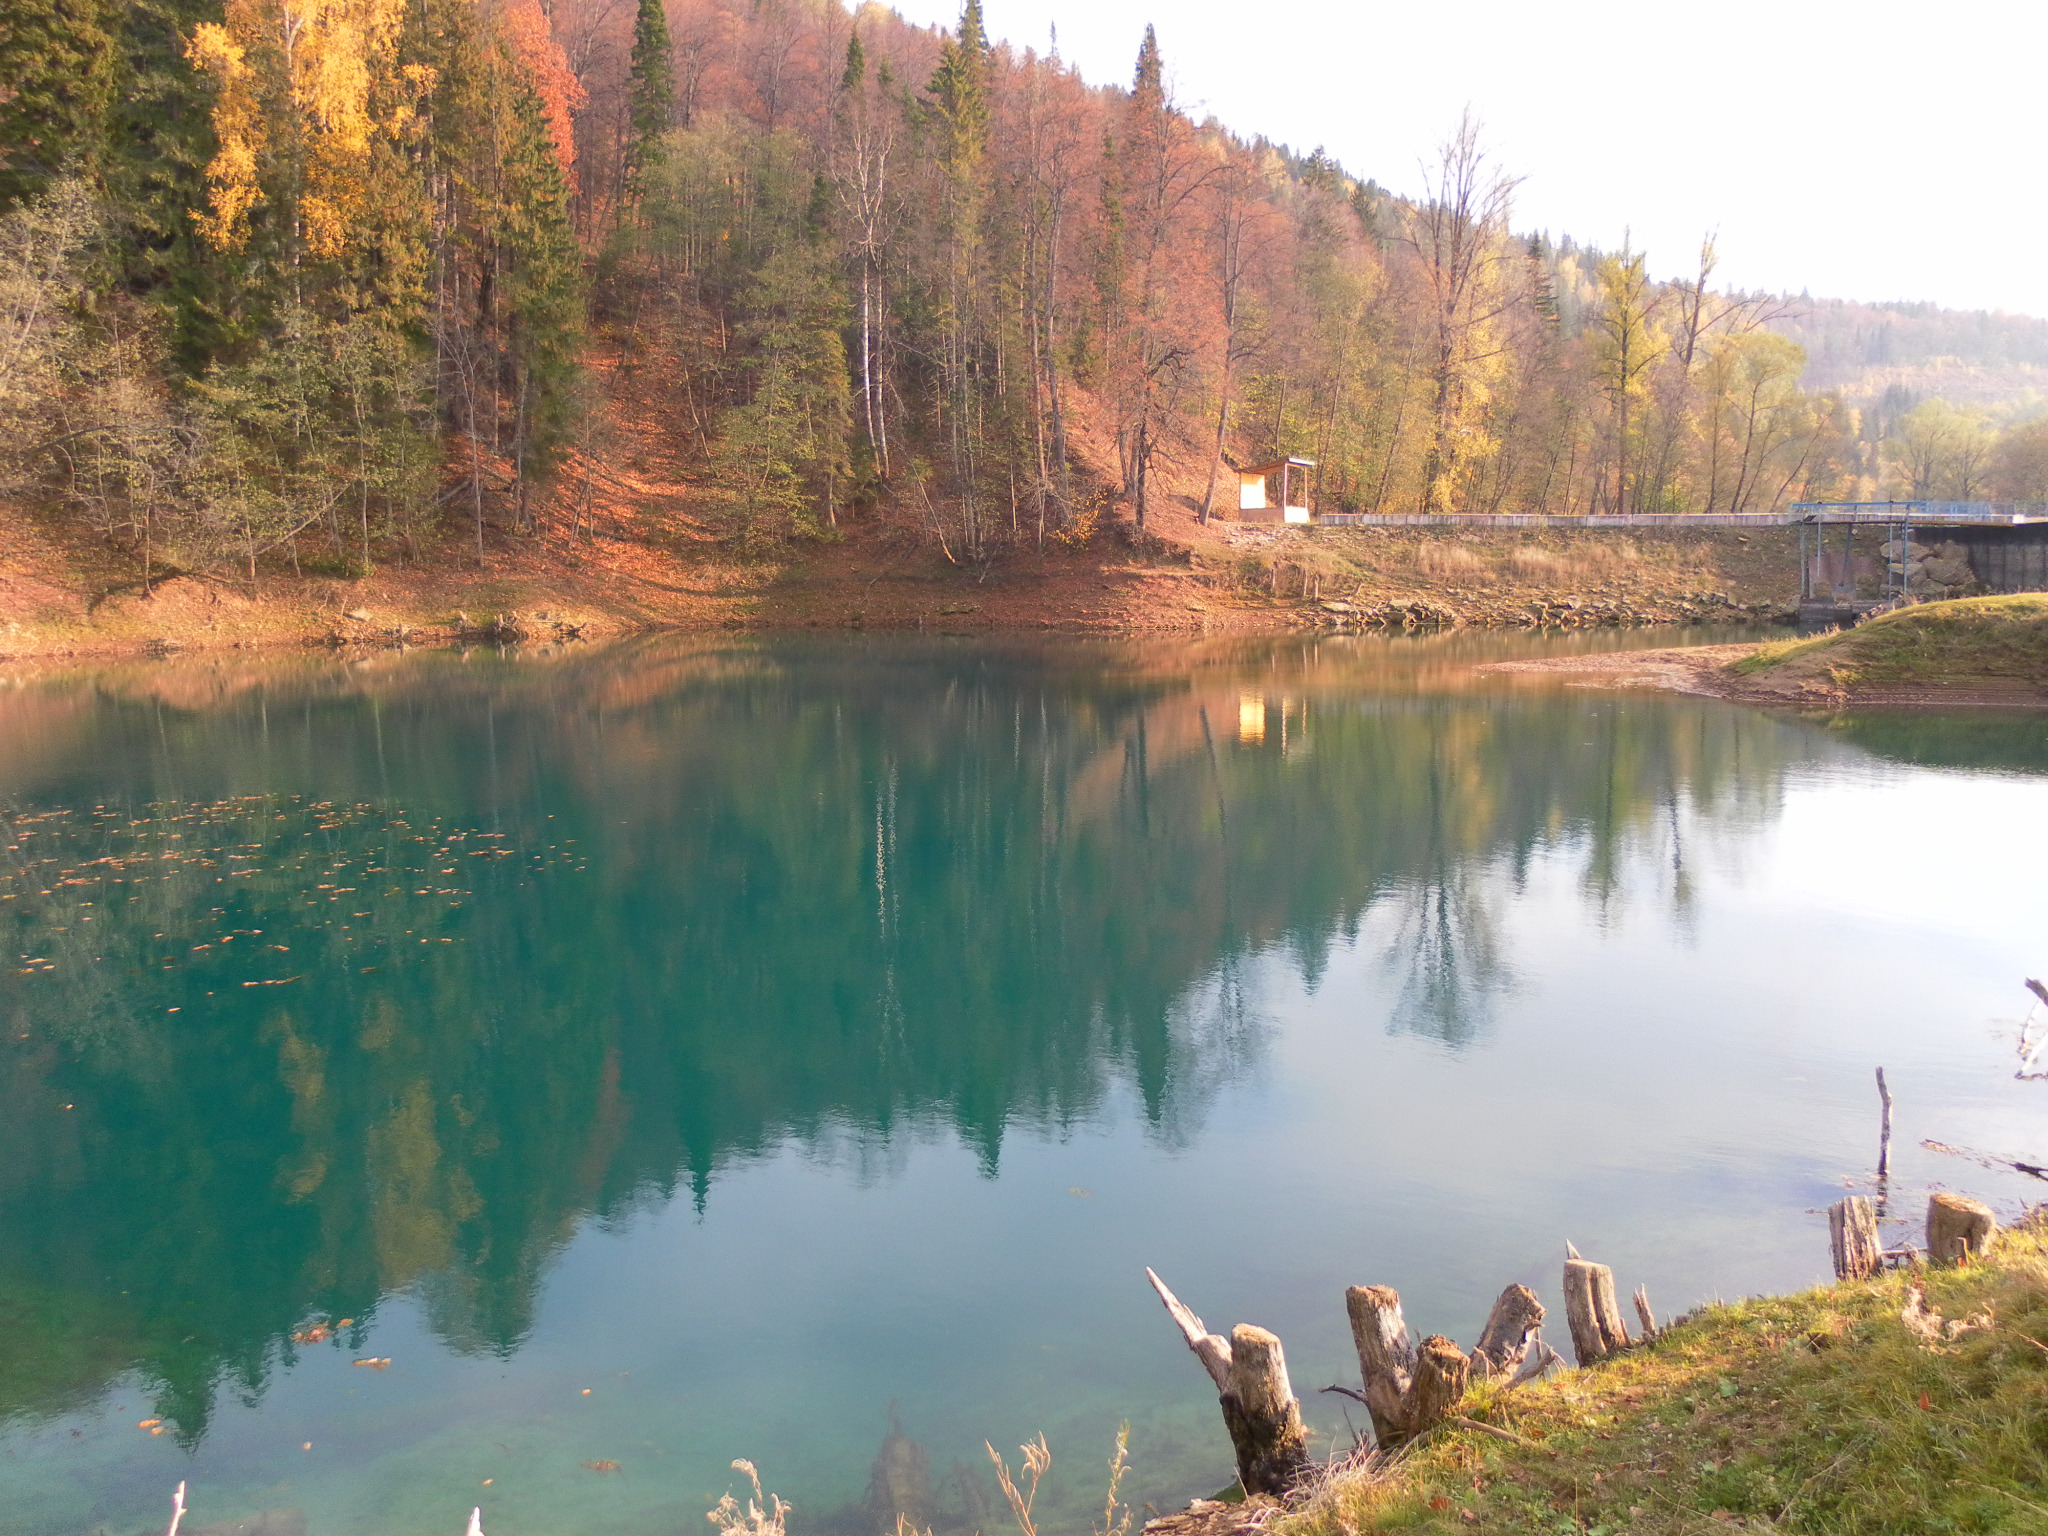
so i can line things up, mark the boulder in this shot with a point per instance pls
(1944, 572)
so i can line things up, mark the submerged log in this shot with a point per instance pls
(1511, 1327)
(1958, 1228)
(1591, 1309)
(1259, 1407)
(1852, 1232)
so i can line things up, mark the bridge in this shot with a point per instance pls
(2005, 542)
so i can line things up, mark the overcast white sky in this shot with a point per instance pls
(1867, 151)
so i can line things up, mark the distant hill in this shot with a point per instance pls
(1897, 354)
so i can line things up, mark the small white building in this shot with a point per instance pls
(1256, 488)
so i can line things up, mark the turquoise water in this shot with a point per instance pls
(796, 1050)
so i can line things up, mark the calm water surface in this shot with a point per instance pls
(796, 1050)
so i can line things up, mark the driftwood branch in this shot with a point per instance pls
(1212, 1350)
(1884, 1133)
(1541, 1358)
(1490, 1429)
(2033, 1170)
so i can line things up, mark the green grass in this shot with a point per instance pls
(1816, 1413)
(1974, 639)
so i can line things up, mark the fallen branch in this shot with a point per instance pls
(1490, 1429)
(1211, 1349)
(2032, 1170)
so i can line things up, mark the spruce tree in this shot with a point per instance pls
(159, 140)
(56, 82)
(651, 94)
(545, 296)
(1148, 82)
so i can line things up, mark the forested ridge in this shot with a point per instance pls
(326, 284)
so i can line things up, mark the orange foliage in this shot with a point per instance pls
(561, 94)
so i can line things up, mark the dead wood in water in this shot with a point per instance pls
(1884, 1132)
(1259, 1407)
(1852, 1232)
(1212, 1351)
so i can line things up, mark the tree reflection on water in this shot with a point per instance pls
(338, 980)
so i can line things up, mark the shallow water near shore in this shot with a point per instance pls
(795, 1050)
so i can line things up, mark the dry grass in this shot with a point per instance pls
(1444, 561)
(1820, 1412)
(1585, 563)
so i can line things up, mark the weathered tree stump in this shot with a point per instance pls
(1386, 1357)
(1441, 1371)
(1852, 1231)
(1958, 1228)
(1510, 1329)
(1643, 1313)
(1409, 1389)
(1213, 1517)
(1591, 1309)
(1259, 1407)
(1262, 1413)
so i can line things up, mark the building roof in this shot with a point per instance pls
(1292, 461)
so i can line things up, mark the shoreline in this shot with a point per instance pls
(1704, 672)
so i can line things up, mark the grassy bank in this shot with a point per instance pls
(1821, 1412)
(1970, 642)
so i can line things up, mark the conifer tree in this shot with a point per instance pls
(160, 140)
(959, 104)
(56, 83)
(544, 298)
(651, 94)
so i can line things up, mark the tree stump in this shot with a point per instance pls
(1386, 1357)
(1259, 1406)
(1958, 1228)
(1510, 1328)
(1441, 1371)
(1592, 1310)
(1262, 1414)
(1852, 1231)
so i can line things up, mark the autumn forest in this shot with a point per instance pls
(333, 283)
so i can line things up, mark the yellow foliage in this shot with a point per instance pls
(238, 124)
(313, 76)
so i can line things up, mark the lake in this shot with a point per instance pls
(534, 1080)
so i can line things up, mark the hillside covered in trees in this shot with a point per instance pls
(327, 284)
